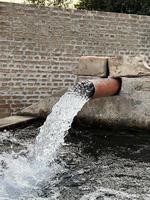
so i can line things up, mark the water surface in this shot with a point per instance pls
(22, 174)
(100, 164)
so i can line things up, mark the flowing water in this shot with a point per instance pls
(88, 164)
(22, 176)
(100, 164)
(55, 127)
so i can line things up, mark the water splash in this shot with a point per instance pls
(20, 176)
(55, 128)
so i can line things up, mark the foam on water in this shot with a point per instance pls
(21, 176)
(110, 194)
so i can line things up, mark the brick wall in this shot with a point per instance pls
(39, 47)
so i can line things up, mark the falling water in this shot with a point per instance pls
(52, 133)
(21, 176)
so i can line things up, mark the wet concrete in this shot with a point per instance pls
(101, 164)
(12, 121)
(131, 108)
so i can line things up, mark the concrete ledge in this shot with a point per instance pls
(121, 111)
(12, 121)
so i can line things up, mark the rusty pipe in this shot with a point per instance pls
(98, 87)
(106, 87)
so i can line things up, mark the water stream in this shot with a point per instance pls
(74, 164)
(21, 175)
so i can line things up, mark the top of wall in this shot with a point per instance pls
(31, 8)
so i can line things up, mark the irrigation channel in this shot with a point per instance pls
(55, 161)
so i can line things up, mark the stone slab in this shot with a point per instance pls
(14, 120)
(92, 66)
(127, 66)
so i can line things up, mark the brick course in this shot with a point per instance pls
(40, 47)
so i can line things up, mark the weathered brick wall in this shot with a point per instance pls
(39, 47)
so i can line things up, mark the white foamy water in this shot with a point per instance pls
(20, 177)
(52, 133)
(110, 194)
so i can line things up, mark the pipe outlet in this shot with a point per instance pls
(106, 87)
(98, 87)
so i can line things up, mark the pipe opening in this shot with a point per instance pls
(85, 88)
(98, 87)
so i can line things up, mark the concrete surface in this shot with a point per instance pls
(131, 108)
(14, 120)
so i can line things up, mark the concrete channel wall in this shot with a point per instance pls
(40, 47)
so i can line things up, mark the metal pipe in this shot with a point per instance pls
(100, 87)
(106, 87)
